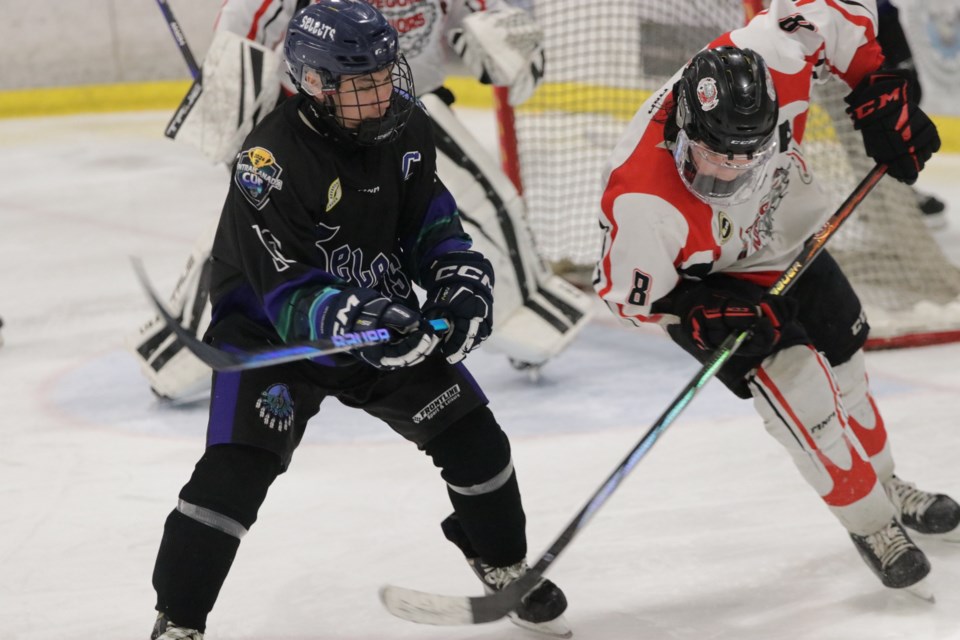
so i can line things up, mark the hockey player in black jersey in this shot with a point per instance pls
(333, 214)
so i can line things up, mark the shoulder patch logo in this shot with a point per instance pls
(257, 174)
(334, 193)
(724, 227)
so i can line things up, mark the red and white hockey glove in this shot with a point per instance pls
(896, 132)
(709, 315)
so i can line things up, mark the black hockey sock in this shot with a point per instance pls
(474, 455)
(192, 564)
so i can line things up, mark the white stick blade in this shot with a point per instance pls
(426, 608)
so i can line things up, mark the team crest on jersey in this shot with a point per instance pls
(410, 158)
(276, 407)
(257, 174)
(334, 193)
(707, 94)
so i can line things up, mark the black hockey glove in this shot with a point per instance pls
(896, 132)
(459, 288)
(360, 310)
(709, 315)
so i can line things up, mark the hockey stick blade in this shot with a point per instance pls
(430, 608)
(222, 360)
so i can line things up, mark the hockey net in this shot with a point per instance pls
(604, 59)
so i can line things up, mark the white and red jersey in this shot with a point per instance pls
(656, 232)
(421, 24)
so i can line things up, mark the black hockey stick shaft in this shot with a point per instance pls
(193, 94)
(177, 31)
(434, 609)
(240, 360)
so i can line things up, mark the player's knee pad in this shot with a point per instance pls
(227, 487)
(797, 396)
(473, 453)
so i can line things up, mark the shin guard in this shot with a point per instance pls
(798, 398)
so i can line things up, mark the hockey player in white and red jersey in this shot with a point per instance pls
(537, 313)
(708, 199)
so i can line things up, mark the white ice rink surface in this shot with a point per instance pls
(714, 536)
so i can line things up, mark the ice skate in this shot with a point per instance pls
(541, 610)
(164, 629)
(895, 559)
(929, 513)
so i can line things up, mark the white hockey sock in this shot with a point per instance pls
(797, 396)
(864, 418)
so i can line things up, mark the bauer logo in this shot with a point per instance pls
(276, 407)
(437, 405)
(257, 174)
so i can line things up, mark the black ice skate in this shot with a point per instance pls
(541, 610)
(164, 629)
(896, 560)
(929, 513)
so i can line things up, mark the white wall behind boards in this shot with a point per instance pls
(47, 43)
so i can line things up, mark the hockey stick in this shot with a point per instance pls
(180, 39)
(193, 94)
(428, 608)
(223, 360)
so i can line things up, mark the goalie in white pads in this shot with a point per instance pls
(537, 313)
(708, 199)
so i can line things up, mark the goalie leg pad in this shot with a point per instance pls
(173, 371)
(798, 398)
(240, 84)
(536, 314)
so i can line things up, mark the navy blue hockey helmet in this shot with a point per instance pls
(332, 39)
(727, 115)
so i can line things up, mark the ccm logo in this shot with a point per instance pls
(464, 271)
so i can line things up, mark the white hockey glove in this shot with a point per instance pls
(503, 47)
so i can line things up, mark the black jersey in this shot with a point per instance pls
(309, 212)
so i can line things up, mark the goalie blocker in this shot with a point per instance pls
(536, 313)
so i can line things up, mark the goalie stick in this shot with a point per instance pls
(238, 360)
(193, 94)
(429, 608)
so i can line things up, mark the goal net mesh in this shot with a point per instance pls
(604, 57)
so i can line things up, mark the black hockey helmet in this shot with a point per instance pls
(726, 119)
(726, 100)
(332, 39)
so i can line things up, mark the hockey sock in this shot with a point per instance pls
(864, 418)
(201, 536)
(796, 394)
(474, 457)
